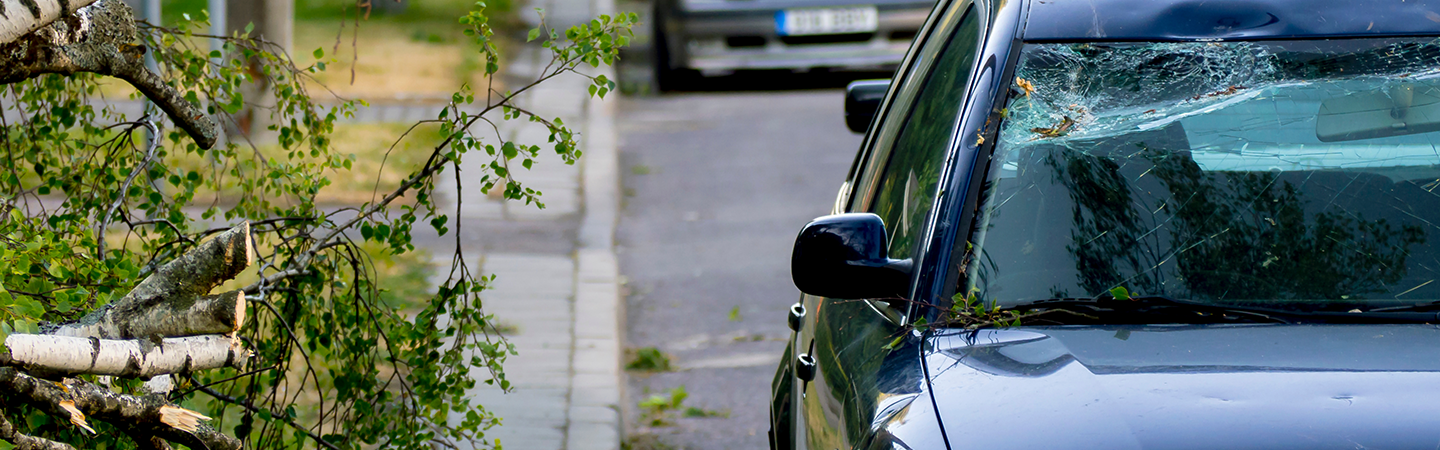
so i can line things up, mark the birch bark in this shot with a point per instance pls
(20, 17)
(135, 358)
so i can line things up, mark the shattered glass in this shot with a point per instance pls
(1295, 174)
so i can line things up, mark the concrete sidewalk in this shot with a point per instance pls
(565, 309)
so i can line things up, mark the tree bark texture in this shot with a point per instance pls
(170, 316)
(22, 441)
(171, 302)
(20, 17)
(150, 415)
(135, 358)
(98, 38)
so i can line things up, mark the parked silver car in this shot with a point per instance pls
(716, 37)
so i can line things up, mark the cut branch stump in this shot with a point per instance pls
(168, 323)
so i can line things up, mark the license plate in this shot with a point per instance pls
(800, 22)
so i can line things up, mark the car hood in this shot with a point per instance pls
(1184, 387)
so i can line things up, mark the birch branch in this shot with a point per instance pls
(98, 38)
(138, 358)
(184, 316)
(172, 301)
(150, 414)
(20, 17)
(199, 270)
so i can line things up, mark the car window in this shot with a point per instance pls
(908, 184)
(910, 79)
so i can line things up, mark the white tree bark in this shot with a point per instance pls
(171, 302)
(136, 358)
(20, 17)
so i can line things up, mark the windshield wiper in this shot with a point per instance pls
(1151, 309)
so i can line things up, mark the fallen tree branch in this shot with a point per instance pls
(20, 17)
(150, 415)
(22, 441)
(136, 358)
(97, 38)
(199, 270)
(184, 316)
(172, 301)
(254, 409)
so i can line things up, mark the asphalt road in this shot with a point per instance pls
(716, 185)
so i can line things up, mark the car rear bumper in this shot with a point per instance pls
(721, 40)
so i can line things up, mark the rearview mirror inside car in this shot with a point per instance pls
(1394, 111)
(844, 256)
(862, 100)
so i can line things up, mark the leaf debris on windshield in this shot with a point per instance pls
(1025, 86)
(1058, 130)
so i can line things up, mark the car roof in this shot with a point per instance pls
(1204, 20)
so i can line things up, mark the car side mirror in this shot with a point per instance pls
(844, 257)
(862, 100)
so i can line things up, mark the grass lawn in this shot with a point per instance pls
(417, 52)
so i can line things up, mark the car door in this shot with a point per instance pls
(849, 339)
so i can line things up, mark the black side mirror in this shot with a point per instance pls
(844, 256)
(862, 100)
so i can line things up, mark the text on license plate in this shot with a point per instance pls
(796, 22)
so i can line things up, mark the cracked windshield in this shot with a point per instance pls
(1299, 175)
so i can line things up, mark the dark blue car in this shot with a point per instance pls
(1132, 224)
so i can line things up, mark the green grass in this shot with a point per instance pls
(650, 359)
(421, 10)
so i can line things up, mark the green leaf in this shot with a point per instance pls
(319, 53)
(27, 307)
(735, 314)
(25, 327)
(534, 34)
(1120, 293)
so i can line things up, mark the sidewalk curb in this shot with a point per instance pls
(596, 380)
